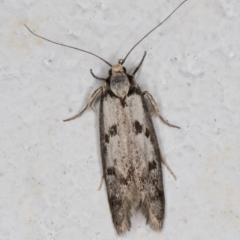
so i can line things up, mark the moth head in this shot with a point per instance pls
(118, 68)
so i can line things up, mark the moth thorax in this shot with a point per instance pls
(119, 84)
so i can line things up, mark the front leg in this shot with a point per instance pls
(155, 108)
(140, 64)
(89, 104)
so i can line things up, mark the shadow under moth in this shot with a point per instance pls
(131, 157)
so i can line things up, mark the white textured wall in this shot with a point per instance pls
(50, 170)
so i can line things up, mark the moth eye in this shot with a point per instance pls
(120, 61)
(110, 72)
(124, 69)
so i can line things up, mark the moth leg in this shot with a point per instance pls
(168, 168)
(154, 105)
(101, 182)
(155, 108)
(89, 105)
(98, 78)
(135, 71)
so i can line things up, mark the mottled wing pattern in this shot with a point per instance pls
(131, 159)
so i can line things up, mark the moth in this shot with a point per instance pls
(131, 157)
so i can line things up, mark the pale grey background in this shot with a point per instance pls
(50, 170)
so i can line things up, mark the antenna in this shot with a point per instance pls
(67, 46)
(153, 29)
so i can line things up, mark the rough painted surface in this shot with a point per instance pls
(50, 170)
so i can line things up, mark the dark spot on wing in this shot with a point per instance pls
(152, 139)
(108, 93)
(111, 171)
(113, 130)
(158, 195)
(138, 127)
(106, 138)
(115, 202)
(123, 181)
(152, 165)
(147, 133)
(134, 90)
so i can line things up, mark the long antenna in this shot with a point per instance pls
(153, 29)
(67, 46)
